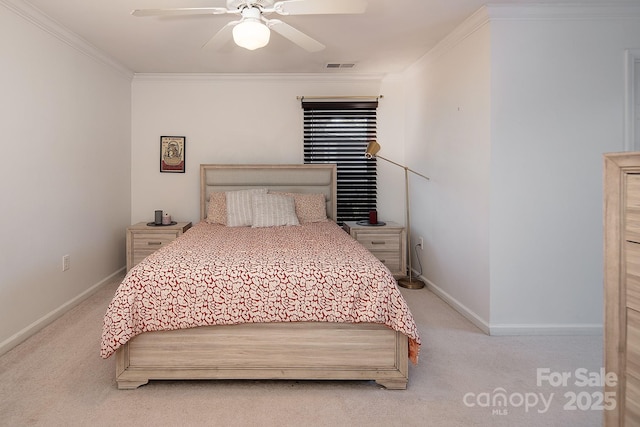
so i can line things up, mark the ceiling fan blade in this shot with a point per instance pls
(296, 36)
(221, 37)
(181, 11)
(319, 7)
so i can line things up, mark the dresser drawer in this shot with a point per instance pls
(632, 261)
(632, 401)
(632, 208)
(633, 343)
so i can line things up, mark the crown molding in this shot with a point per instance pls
(470, 25)
(45, 23)
(302, 77)
(564, 11)
(528, 12)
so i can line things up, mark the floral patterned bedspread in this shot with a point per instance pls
(217, 275)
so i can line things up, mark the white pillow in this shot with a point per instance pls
(239, 212)
(270, 210)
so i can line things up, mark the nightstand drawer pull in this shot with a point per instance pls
(154, 243)
(378, 242)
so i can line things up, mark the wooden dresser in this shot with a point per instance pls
(622, 285)
(386, 242)
(143, 240)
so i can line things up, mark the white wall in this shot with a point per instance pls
(65, 170)
(391, 137)
(514, 208)
(557, 106)
(225, 119)
(448, 139)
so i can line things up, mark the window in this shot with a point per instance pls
(338, 132)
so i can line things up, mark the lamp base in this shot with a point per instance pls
(412, 283)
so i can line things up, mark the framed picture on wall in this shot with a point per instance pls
(172, 155)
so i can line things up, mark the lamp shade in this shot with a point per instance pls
(372, 149)
(251, 34)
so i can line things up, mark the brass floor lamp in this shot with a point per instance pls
(372, 149)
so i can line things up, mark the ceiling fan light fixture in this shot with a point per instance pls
(251, 33)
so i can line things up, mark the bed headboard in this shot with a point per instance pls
(316, 178)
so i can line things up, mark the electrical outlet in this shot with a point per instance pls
(421, 243)
(66, 262)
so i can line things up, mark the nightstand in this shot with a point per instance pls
(143, 239)
(386, 242)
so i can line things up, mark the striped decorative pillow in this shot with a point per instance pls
(270, 210)
(239, 210)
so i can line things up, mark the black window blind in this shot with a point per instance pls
(338, 132)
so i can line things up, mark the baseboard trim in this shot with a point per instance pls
(546, 329)
(513, 329)
(457, 306)
(36, 326)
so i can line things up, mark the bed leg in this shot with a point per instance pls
(391, 384)
(130, 385)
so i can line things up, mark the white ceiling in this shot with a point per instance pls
(390, 36)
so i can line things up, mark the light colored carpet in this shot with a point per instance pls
(56, 378)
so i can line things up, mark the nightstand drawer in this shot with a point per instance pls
(386, 242)
(380, 242)
(143, 240)
(391, 259)
(138, 256)
(145, 244)
(152, 241)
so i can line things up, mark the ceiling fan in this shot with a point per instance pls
(252, 30)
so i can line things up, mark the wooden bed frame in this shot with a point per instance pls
(297, 350)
